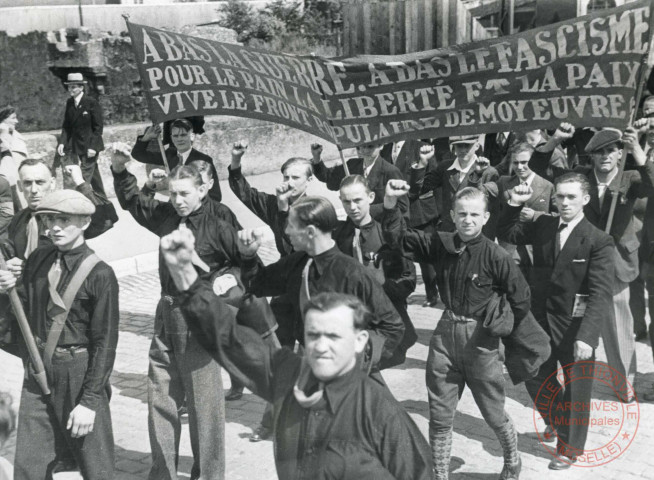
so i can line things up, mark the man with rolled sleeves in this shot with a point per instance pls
(81, 132)
(71, 301)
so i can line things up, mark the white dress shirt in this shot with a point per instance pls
(565, 233)
(462, 171)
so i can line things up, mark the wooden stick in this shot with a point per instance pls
(35, 356)
(639, 91)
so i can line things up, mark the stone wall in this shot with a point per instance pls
(270, 145)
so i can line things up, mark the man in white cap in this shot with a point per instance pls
(71, 300)
(81, 131)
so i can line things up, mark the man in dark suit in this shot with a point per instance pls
(81, 132)
(180, 153)
(370, 165)
(571, 298)
(466, 170)
(541, 201)
(605, 149)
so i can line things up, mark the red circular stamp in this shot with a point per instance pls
(588, 432)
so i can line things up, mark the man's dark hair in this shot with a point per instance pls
(326, 301)
(6, 112)
(181, 172)
(298, 161)
(181, 123)
(316, 211)
(31, 162)
(355, 180)
(573, 177)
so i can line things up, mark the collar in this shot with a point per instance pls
(458, 242)
(185, 155)
(78, 98)
(365, 227)
(457, 166)
(336, 390)
(74, 257)
(194, 217)
(574, 222)
(606, 184)
(529, 180)
(322, 261)
(366, 170)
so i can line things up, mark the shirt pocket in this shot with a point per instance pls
(478, 289)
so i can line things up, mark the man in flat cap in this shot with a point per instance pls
(466, 170)
(71, 301)
(605, 150)
(81, 131)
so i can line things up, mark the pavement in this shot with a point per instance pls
(476, 453)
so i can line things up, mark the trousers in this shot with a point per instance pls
(180, 367)
(571, 424)
(460, 354)
(91, 172)
(42, 436)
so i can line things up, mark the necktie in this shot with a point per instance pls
(54, 276)
(356, 246)
(32, 236)
(180, 159)
(601, 192)
(195, 258)
(558, 238)
(305, 296)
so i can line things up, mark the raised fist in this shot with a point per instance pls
(426, 152)
(249, 241)
(396, 188)
(177, 248)
(520, 194)
(316, 152)
(239, 148)
(564, 132)
(74, 172)
(151, 133)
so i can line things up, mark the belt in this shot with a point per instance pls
(450, 316)
(74, 349)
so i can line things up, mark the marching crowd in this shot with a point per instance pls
(535, 244)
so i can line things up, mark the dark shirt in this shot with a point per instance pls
(331, 271)
(93, 317)
(396, 274)
(359, 432)
(216, 242)
(264, 206)
(380, 173)
(467, 274)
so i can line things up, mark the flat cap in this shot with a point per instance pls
(66, 201)
(603, 138)
(470, 139)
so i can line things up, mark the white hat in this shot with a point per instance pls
(75, 78)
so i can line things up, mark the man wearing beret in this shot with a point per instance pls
(605, 149)
(81, 131)
(71, 301)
